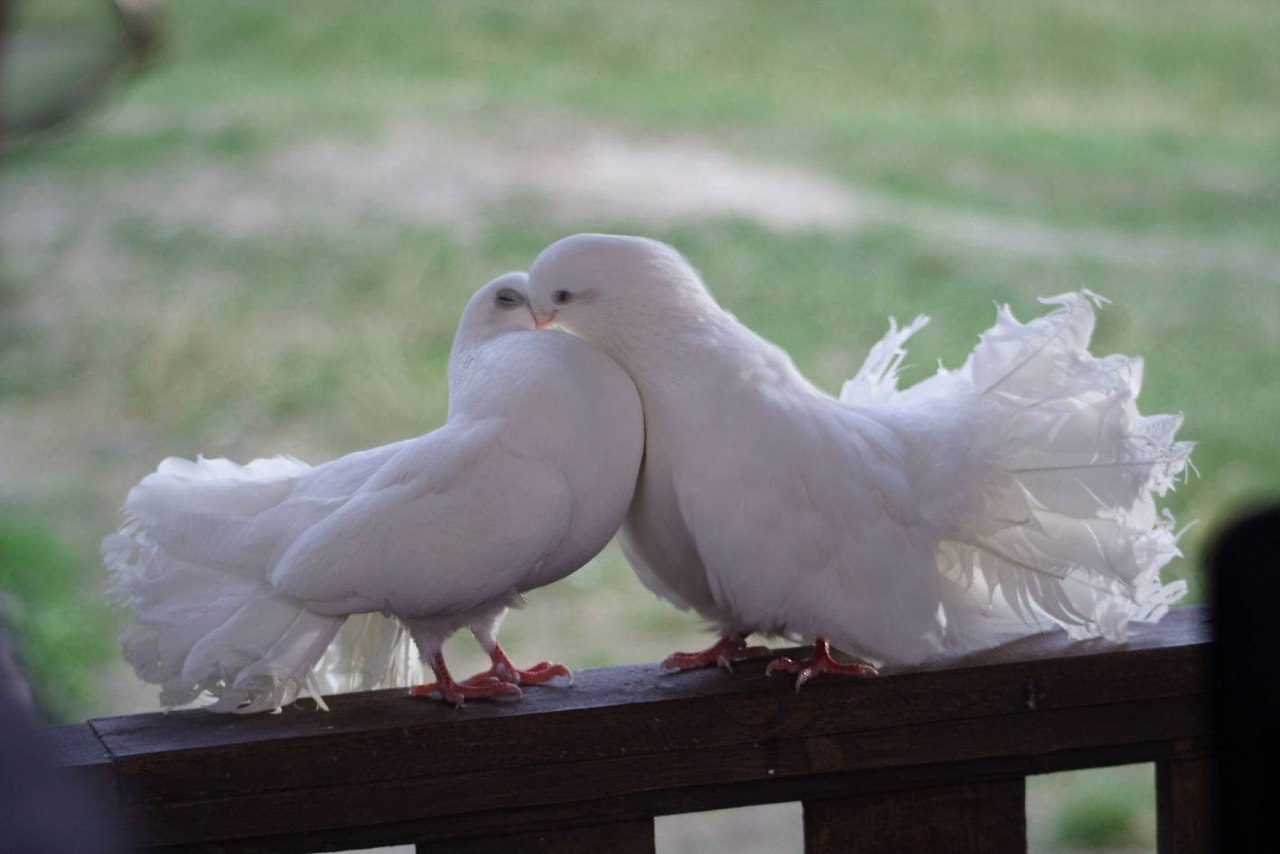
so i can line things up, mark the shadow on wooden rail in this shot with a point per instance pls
(929, 759)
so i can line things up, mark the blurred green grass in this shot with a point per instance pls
(169, 286)
(1098, 809)
(61, 635)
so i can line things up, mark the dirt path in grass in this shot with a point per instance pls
(460, 178)
(457, 178)
(444, 176)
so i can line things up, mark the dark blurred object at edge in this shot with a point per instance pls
(41, 812)
(1245, 575)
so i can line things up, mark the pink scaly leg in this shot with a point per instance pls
(477, 687)
(820, 662)
(722, 654)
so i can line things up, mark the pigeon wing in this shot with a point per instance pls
(453, 521)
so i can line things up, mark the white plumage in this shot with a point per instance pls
(1013, 493)
(243, 576)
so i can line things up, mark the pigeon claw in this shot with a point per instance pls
(721, 654)
(820, 662)
(503, 679)
(472, 690)
(476, 688)
(543, 671)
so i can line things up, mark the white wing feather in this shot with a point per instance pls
(457, 501)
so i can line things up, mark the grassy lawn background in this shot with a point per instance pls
(234, 256)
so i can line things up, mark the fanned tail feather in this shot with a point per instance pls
(1055, 522)
(1064, 528)
(193, 565)
(877, 380)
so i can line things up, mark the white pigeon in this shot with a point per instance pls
(1014, 493)
(242, 576)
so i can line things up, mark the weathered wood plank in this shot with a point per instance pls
(1042, 734)
(642, 805)
(988, 817)
(628, 743)
(195, 754)
(1184, 806)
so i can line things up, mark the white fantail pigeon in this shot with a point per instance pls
(1012, 494)
(243, 576)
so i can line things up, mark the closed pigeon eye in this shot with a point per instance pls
(508, 298)
(561, 297)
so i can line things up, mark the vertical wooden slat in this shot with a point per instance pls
(969, 818)
(1184, 806)
(628, 837)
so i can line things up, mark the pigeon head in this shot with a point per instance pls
(500, 306)
(610, 288)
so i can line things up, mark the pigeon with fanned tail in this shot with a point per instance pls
(244, 577)
(1013, 494)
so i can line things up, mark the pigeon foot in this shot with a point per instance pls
(721, 654)
(504, 670)
(820, 662)
(478, 687)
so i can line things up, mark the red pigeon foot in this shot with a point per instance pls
(476, 688)
(504, 670)
(820, 662)
(722, 654)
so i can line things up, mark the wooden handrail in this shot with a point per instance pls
(930, 758)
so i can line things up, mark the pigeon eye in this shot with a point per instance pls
(507, 298)
(561, 297)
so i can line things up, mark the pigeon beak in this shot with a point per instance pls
(541, 320)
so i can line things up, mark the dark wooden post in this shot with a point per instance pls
(1184, 806)
(967, 818)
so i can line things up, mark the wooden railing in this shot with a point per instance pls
(915, 760)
